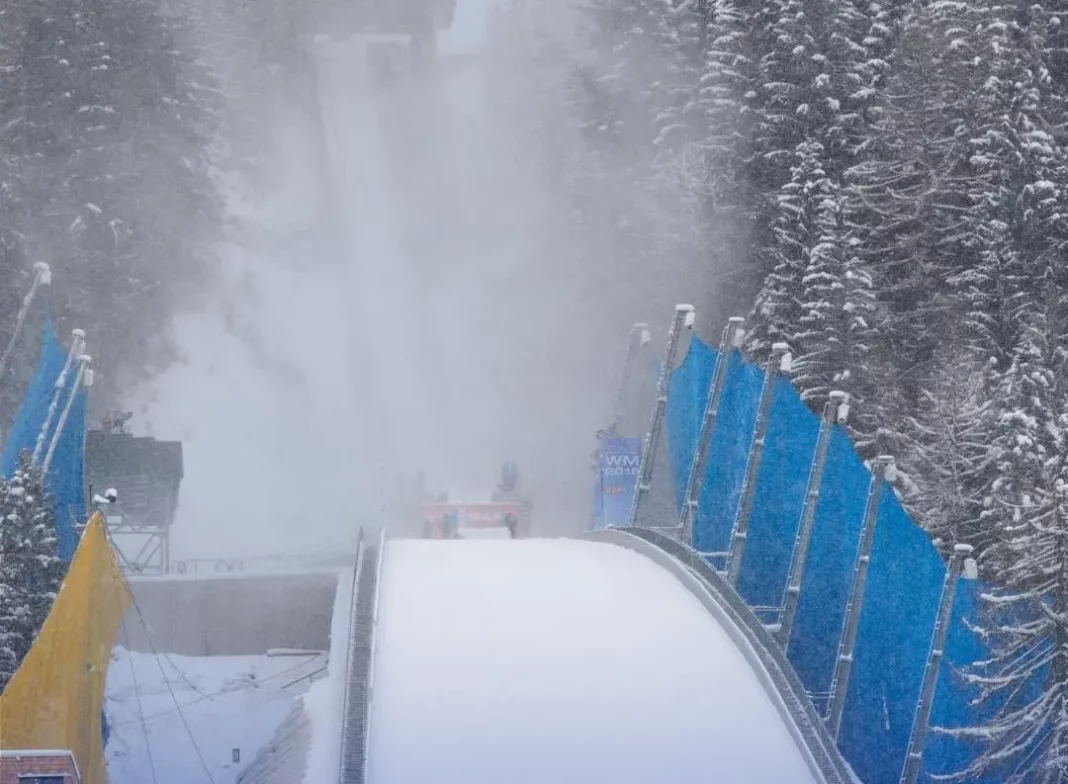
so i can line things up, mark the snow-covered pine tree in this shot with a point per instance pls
(725, 107)
(1025, 678)
(777, 311)
(945, 212)
(836, 328)
(30, 569)
(905, 213)
(702, 164)
(817, 82)
(1023, 297)
(107, 116)
(947, 453)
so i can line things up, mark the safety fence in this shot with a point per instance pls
(818, 545)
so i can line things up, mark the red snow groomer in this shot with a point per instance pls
(453, 520)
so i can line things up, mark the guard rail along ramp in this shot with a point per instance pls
(752, 638)
(360, 657)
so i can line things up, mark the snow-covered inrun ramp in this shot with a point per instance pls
(562, 661)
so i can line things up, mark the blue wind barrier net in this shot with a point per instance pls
(729, 444)
(685, 407)
(728, 450)
(66, 474)
(942, 752)
(905, 574)
(34, 408)
(66, 478)
(789, 442)
(905, 578)
(829, 568)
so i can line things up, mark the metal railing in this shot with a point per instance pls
(787, 689)
(356, 701)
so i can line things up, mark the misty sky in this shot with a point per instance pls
(406, 293)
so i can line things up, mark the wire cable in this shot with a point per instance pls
(140, 706)
(170, 690)
(181, 715)
(244, 688)
(166, 680)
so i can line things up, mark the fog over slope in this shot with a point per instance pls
(409, 290)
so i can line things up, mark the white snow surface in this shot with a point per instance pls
(228, 702)
(323, 703)
(562, 661)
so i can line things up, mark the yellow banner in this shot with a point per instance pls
(55, 698)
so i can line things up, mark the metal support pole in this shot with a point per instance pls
(958, 562)
(684, 317)
(77, 347)
(41, 275)
(847, 642)
(642, 330)
(83, 362)
(777, 364)
(835, 409)
(699, 464)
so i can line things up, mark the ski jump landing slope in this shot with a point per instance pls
(563, 661)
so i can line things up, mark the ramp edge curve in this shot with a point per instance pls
(756, 644)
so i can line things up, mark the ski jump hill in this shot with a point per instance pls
(619, 656)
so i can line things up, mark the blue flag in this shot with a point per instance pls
(617, 478)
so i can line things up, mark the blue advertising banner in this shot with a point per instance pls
(617, 478)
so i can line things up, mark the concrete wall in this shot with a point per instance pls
(231, 615)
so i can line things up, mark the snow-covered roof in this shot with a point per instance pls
(23, 753)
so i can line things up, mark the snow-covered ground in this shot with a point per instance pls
(227, 702)
(324, 701)
(563, 661)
